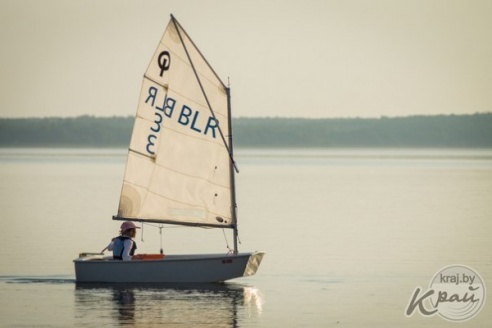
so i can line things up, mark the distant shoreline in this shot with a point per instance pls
(439, 131)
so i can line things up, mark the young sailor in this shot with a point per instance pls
(123, 246)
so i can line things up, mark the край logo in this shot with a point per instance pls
(456, 293)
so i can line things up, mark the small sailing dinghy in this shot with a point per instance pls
(180, 169)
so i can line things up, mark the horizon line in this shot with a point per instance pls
(257, 117)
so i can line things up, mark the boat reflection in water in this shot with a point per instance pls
(211, 305)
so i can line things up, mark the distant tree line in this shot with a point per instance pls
(82, 131)
(414, 131)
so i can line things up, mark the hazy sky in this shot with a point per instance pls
(326, 58)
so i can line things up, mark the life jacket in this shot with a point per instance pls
(119, 246)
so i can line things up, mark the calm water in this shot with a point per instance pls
(349, 235)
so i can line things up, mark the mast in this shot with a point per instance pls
(232, 171)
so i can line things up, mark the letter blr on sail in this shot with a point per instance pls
(186, 117)
(180, 169)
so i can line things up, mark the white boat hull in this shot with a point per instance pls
(197, 268)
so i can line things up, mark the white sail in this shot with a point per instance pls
(179, 164)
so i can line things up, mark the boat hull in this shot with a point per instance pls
(197, 268)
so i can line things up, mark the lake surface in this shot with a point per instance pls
(349, 235)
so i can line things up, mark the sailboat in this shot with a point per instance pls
(180, 170)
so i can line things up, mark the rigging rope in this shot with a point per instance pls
(227, 243)
(160, 226)
(160, 233)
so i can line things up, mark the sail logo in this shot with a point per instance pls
(166, 106)
(456, 293)
(164, 61)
